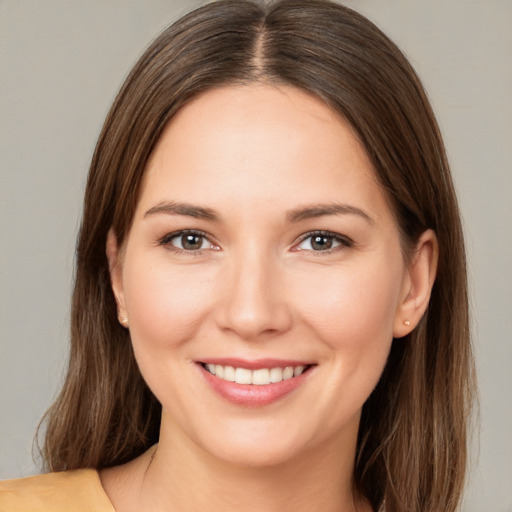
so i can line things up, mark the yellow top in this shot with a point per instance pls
(67, 491)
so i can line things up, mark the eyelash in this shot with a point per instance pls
(344, 242)
(166, 241)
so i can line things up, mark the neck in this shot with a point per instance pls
(181, 477)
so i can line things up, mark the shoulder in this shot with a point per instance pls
(66, 491)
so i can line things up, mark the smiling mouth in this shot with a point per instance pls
(258, 377)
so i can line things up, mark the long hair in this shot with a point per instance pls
(412, 444)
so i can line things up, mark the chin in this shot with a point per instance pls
(265, 443)
(257, 455)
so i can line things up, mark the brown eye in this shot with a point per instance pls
(187, 241)
(321, 241)
(191, 242)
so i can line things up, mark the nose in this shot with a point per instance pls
(253, 301)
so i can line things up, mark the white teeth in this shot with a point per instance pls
(288, 373)
(243, 376)
(298, 370)
(276, 375)
(229, 373)
(260, 377)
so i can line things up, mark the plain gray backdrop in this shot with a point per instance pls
(62, 62)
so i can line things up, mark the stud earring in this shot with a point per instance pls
(407, 323)
(123, 320)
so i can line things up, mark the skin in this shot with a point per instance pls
(258, 288)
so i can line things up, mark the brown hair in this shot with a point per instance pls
(411, 450)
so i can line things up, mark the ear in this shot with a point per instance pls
(417, 285)
(116, 276)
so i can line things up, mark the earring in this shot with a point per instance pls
(123, 320)
(407, 323)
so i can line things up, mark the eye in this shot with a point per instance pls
(322, 241)
(190, 241)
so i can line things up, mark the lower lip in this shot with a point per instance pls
(251, 395)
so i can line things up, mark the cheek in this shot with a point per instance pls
(352, 316)
(165, 304)
(352, 308)
(358, 337)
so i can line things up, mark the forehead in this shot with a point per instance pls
(256, 144)
(252, 114)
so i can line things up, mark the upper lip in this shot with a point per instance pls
(254, 364)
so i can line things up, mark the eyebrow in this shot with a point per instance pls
(186, 209)
(292, 216)
(319, 210)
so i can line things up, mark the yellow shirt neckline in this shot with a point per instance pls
(66, 491)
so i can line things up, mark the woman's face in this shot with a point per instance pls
(261, 246)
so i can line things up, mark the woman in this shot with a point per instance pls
(270, 307)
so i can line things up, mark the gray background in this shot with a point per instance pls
(61, 63)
